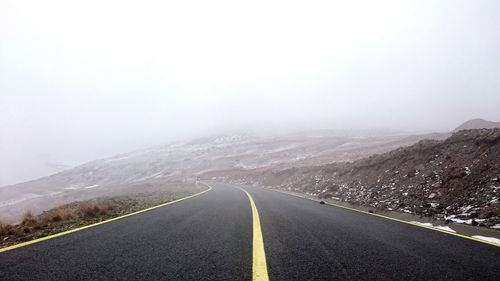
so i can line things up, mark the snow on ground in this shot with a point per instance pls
(496, 226)
(22, 198)
(445, 228)
(79, 186)
(489, 239)
(467, 170)
(427, 224)
(155, 175)
(455, 220)
(116, 159)
(348, 144)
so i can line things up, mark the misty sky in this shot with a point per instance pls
(81, 80)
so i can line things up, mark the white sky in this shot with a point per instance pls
(81, 80)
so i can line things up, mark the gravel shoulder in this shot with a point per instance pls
(81, 213)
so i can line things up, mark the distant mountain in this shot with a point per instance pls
(457, 179)
(477, 124)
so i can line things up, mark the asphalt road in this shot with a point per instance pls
(209, 237)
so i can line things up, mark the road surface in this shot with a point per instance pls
(210, 237)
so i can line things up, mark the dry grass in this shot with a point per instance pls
(62, 214)
(29, 220)
(76, 214)
(6, 229)
(93, 209)
(31, 224)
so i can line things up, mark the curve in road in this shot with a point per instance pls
(211, 237)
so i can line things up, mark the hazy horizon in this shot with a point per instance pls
(86, 80)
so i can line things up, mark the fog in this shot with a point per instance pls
(81, 80)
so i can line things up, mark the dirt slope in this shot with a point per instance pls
(456, 179)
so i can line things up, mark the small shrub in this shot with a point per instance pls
(56, 218)
(6, 229)
(29, 220)
(62, 215)
(93, 209)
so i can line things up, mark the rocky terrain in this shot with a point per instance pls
(456, 179)
(477, 124)
(453, 177)
(164, 166)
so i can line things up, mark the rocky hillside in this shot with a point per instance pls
(180, 162)
(478, 124)
(457, 179)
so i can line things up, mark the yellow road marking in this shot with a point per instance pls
(259, 264)
(393, 219)
(98, 223)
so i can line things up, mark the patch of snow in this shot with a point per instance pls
(19, 200)
(465, 209)
(54, 193)
(467, 170)
(284, 148)
(427, 224)
(489, 239)
(79, 186)
(422, 223)
(238, 165)
(156, 175)
(347, 144)
(117, 159)
(455, 220)
(445, 228)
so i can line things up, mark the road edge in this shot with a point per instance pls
(27, 243)
(386, 217)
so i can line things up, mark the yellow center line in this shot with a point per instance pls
(24, 244)
(259, 264)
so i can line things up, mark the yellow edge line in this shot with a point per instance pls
(393, 219)
(259, 264)
(24, 244)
